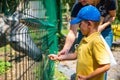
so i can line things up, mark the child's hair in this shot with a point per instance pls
(95, 22)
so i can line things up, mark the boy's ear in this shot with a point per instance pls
(90, 23)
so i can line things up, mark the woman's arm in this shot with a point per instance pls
(69, 39)
(105, 22)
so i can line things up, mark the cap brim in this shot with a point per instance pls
(75, 21)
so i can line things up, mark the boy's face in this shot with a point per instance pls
(84, 28)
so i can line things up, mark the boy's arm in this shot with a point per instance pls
(99, 70)
(70, 56)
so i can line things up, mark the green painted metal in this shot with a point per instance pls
(48, 14)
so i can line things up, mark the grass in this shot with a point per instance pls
(65, 31)
(5, 48)
(4, 66)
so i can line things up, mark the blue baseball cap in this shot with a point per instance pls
(88, 12)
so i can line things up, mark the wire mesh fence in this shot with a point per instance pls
(27, 35)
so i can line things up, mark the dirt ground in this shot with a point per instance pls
(114, 72)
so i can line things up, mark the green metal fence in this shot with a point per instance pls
(31, 32)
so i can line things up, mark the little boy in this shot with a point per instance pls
(92, 57)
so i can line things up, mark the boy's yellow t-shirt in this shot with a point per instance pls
(91, 53)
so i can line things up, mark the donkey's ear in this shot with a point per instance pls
(16, 16)
(6, 20)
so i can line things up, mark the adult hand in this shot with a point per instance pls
(63, 52)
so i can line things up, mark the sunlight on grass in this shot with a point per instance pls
(5, 48)
(65, 32)
(4, 66)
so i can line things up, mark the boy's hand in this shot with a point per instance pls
(80, 77)
(53, 57)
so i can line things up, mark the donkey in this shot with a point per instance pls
(15, 33)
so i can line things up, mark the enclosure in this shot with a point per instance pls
(28, 33)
